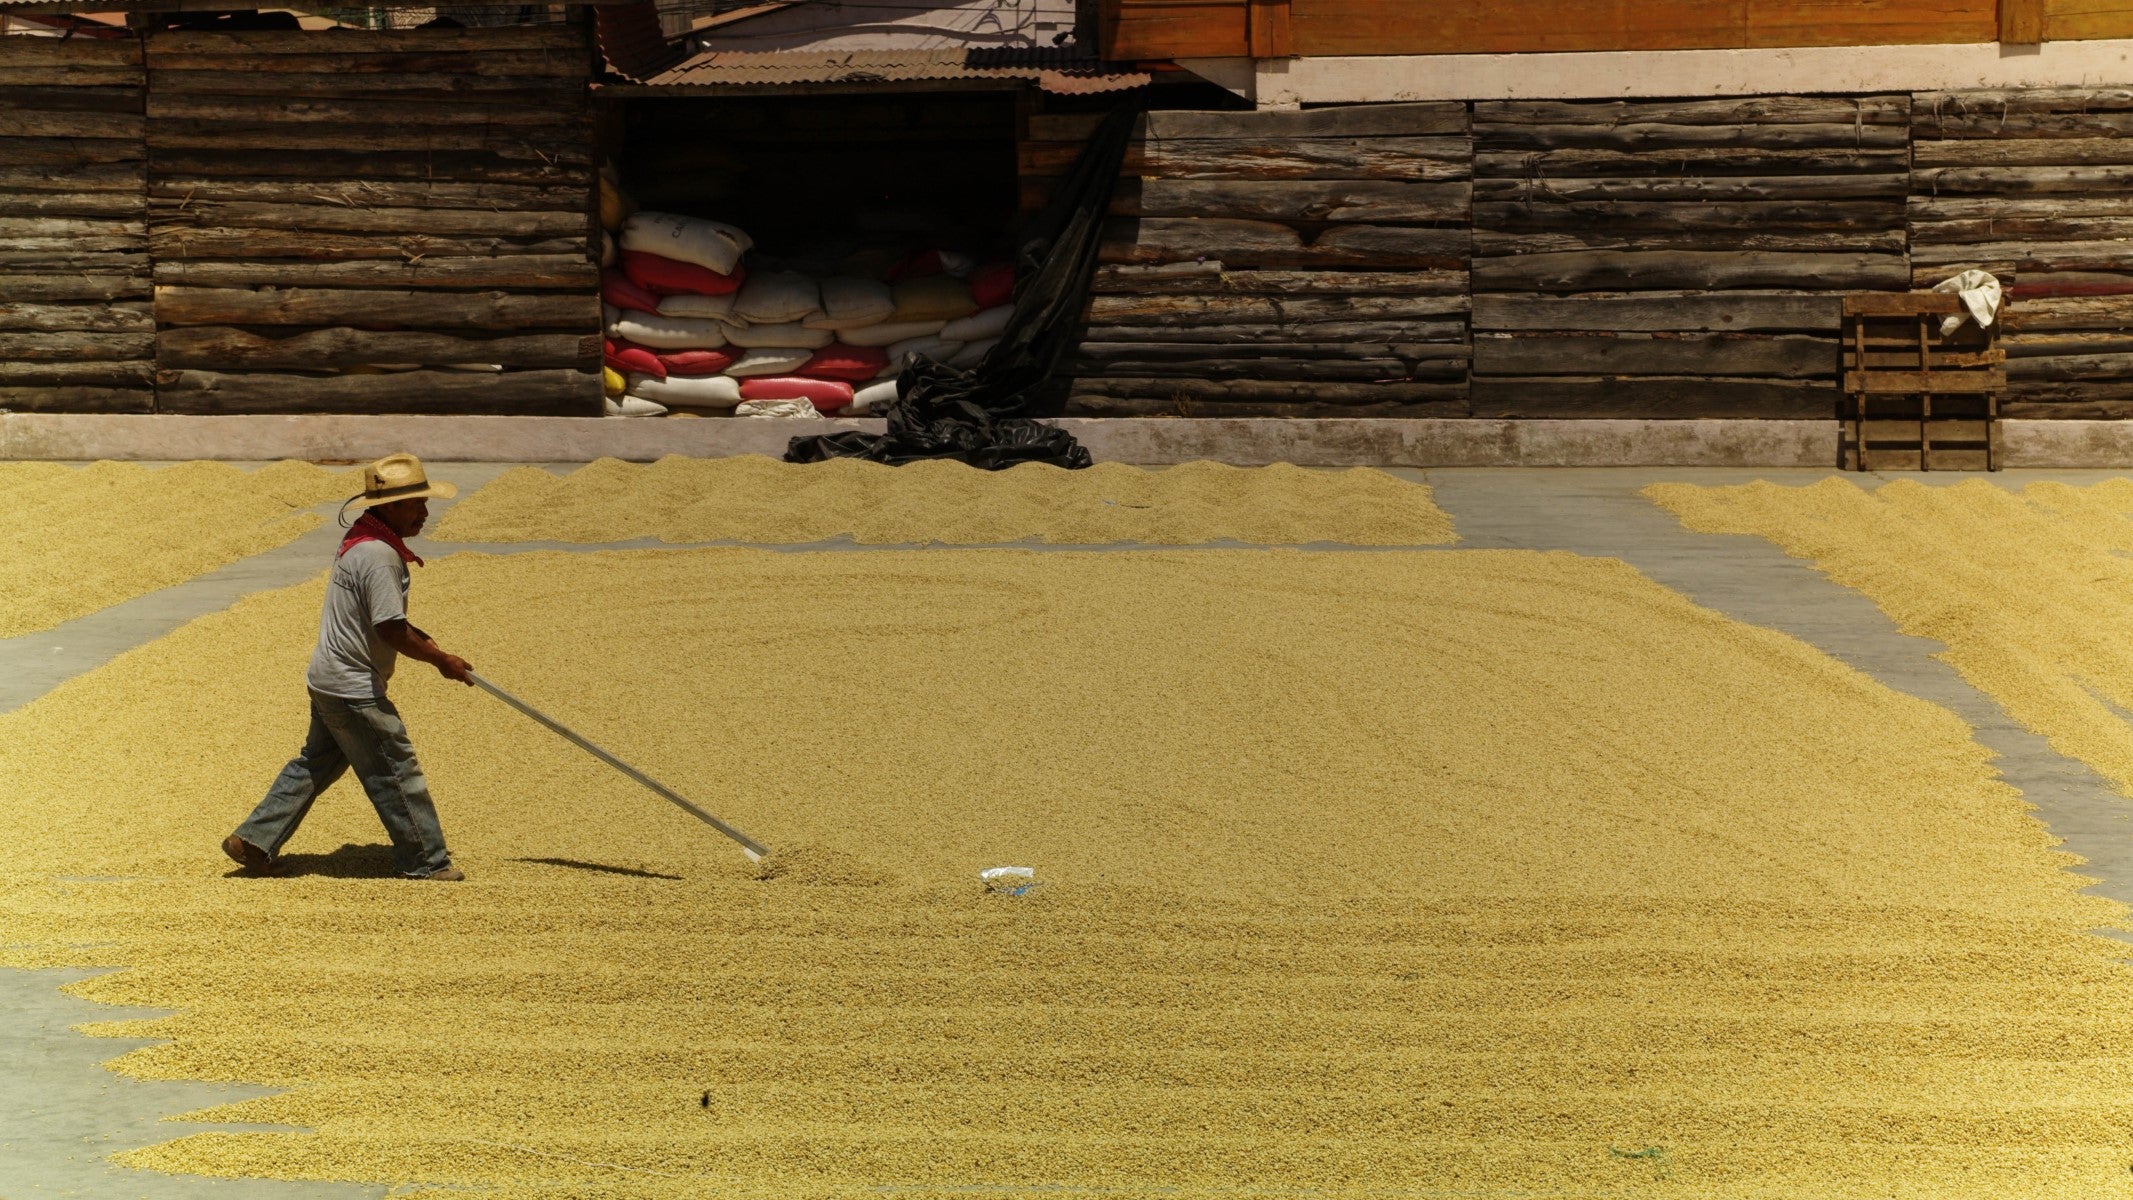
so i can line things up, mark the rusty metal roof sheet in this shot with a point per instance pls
(1053, 71)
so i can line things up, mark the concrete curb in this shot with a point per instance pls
(1152, 441)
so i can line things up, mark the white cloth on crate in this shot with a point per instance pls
(1980, 293)
(777, 408)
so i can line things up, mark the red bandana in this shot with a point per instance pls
(369, 528)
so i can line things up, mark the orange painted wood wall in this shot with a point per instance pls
(1148, 29)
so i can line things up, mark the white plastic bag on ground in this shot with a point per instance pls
(702, 308)
(980, 326)
(871, 397)
(776, 408)
(712, 245)
(688, 391)
(775, 297)
(889, 335)
(790, 334)
(850, 302)
(670, 333)
(769, 361)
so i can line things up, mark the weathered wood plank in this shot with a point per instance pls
(181, 241)
(1751, 110)
(77, 399)
(1212, 277)
(1084, 405)
(1721, 312)
(1493, 243)
(1987, 106)
(75, 346)
(1655, 137)
(1306, 200)
(1451, 333)
(2044, 255)
(106, 205)
(2066, 404)
(310, 109)
(68, 152)
(372, 193)
(1600, 397)
(1933, 181)
(518, 271)
(1691, 187)
(75, 373)
(253, 79)
(251, 43)
(1777, 356)
(567, 145)
(1979, 152)
(127, 317)
(75, 52)
(1371, 27)
(48, 255)
(532, 393)
(1269, 390)
(1182, 310)
(75, 178)
(514, 64)
(1265, 244)
(1672, 216)
(1936, 383)
(1420, 159)
(1926, 209)
(28, 123)
(375, 308)
(2070, 367)
(67, 76)
(1518, 164)
(2013, 125)
(1610, 270)
(2088, 312)
(222, 347)
(1269, 351)
(92, 232)
(170, 215)
(71, 99)
(2022, 229)
(1314, 369)
(34, 288)
(469, 167)
(1345, 121)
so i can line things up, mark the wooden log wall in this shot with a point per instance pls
(75, 329)
(2032, 185)
(1277, 263)
(377, 222)
(1651, 259)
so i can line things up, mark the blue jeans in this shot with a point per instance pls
(366, 735)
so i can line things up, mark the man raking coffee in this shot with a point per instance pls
(361, 634)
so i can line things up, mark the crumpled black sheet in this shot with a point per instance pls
(985, 416)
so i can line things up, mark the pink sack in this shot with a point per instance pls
(617, 289)
(698, 362)
(629, 356)
(672, 277)
(839, 361)
(827, 395)
(993, 285)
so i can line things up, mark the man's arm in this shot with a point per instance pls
(418, 645)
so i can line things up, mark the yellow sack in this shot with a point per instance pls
(611, 382)
(615, 204)
(932, 298)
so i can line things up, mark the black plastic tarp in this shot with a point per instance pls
(985, 415)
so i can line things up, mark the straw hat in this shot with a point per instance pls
(398, 477)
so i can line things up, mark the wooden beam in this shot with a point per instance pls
(1270, 31)
(2022, 21)
(1374, 27)
(1178, 29)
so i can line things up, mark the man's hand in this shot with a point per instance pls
(415, 644)
(451, 666)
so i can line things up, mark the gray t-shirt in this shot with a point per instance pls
(368, 586)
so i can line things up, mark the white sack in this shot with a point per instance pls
(889, 335)
(775, 297)
(712, 245)
(634, 406)
(688, 391)
(769, 361)
(670, 333)
(789, 335)
(850, 302)
(871, 397)
(702, 308)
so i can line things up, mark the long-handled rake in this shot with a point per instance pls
(753, 849)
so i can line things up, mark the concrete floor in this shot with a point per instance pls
(73, 1113)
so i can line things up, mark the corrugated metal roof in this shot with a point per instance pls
(1054, 71)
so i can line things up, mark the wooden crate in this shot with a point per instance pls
(1916, 401)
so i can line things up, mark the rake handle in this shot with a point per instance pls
(754, 849)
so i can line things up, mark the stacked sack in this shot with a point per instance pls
(690, 327)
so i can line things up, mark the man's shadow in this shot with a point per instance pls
(352, 861)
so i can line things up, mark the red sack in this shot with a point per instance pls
(839, 361)
(827, 395)
(698, 362)
(671, 277)
(993, 285)
(616, 289)
(629, 356)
